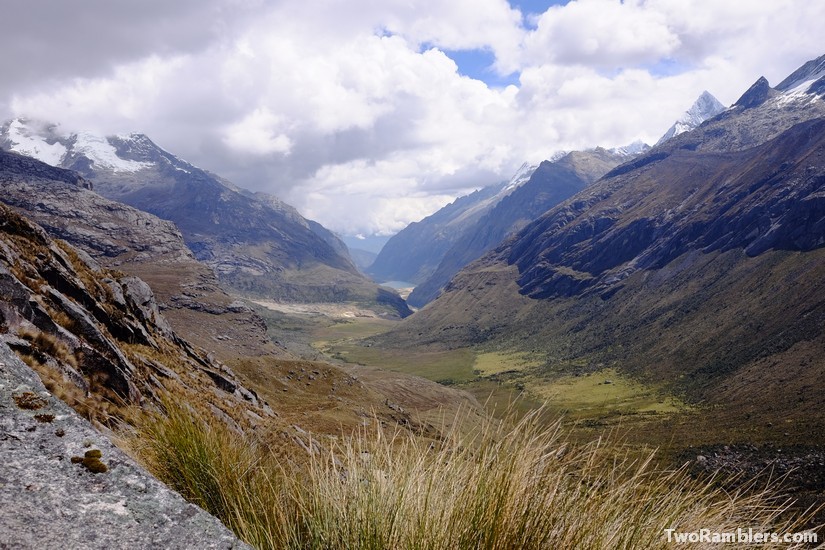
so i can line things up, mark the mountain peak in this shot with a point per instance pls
(705, 107)
(631, 149)
(759, 92)
(809, 72)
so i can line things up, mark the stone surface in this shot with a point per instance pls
(50, 502)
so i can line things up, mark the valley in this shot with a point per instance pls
(588, 400)
(615, 319)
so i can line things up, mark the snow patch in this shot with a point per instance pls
(631, 150)
(799, 92)
(104, 155)
(521, 177)
(28, 143)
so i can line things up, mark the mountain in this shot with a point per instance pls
(698, 265)
(413, 253)
(362, 259)
(523, 200)
(256, 244)
(704, 108)
(120, 237)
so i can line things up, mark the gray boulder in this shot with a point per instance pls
(52, 501)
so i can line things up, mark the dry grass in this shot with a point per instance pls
(511, 484)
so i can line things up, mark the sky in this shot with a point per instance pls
(367, 115)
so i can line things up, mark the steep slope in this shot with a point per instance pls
(256, 244)
(121, 237)
(548, 185)
(307, 395)
(97, 338)
(699, 265)
(414, 252)
(704, 108)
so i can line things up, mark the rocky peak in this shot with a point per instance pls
(759, 92)
(705, 107)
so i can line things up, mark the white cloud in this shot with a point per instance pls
(258, 134)
(353, 113)
(600, 33)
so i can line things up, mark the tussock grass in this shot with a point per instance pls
(510, 484)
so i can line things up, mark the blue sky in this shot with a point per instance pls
(478, 63)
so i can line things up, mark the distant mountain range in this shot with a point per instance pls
(699, 264)
(256, 244)
(547, 185)
(428, 253)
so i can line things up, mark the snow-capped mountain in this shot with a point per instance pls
(520, 177)
(705, 107)
(254, 242)
(48, 144)
(809, 78)
(631, 150)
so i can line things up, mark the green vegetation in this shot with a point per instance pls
(500, 378)
(604, 392)
(451, 367)
(509, 484)
(487, 364)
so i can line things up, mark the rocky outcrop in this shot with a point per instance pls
(96, 335)
(63, 484)
(119, 236)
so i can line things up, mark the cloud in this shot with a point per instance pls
(600, 33)
(257, 134)
(354, 113)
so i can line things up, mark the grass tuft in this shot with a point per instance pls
(510, 484)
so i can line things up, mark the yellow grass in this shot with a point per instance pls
(510, 484)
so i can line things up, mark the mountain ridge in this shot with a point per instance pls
(698, 265)
(255, 243)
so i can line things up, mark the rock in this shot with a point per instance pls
(104, 500)
(756, 95)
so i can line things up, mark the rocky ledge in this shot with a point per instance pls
(65, 485)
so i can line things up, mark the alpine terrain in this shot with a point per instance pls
(255, 243)
(697, 267)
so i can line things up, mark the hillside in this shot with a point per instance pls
(121, 237)
(414, 253)
(549, 184)
(698, 265)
